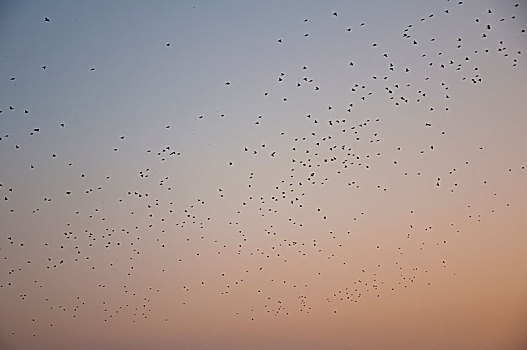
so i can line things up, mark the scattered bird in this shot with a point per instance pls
(171, 205)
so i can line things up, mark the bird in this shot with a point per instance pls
(287, 171)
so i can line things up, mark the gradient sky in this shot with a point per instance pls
(263, 175)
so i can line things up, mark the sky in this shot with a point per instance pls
(263, 175)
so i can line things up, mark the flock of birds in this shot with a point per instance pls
(285, 217)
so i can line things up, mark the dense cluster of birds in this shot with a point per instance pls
(283, 218)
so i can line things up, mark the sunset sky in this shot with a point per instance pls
(263, 175)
